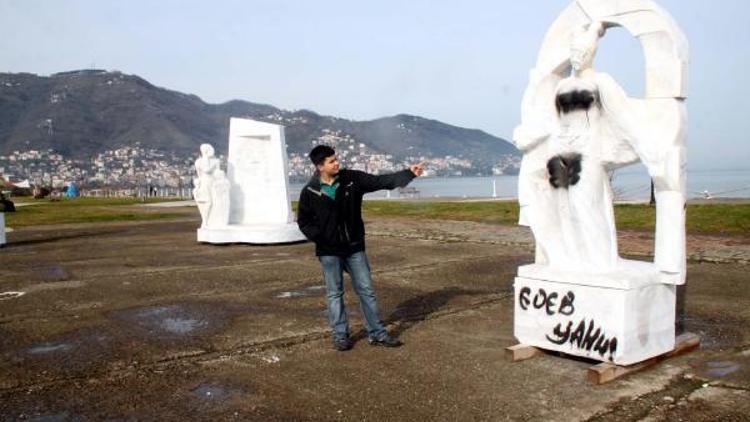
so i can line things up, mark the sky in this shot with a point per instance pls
(464, 63)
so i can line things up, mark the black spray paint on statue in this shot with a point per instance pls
(547, 301)
(591, 338)
(584, 336)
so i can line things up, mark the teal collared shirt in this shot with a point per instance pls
(330, 190)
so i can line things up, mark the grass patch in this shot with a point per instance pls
(729, 219)
(721, 218)
(498, 212)
(86, 210)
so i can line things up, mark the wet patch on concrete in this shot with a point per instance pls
(52, 417)
(34, 360)
(729, 369)
(178, 323)
(78, 346)
(46, 348)
(721, 368)
(51, 272)
(716, 331)
(213, 392)
(131, 335)
(304, 292)
(174, 320)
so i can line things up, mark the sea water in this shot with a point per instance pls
(627, 185)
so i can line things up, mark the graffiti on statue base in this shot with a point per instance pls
(583, 335)
(548, 301)
(585, 338)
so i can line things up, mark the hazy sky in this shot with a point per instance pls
(464, 63)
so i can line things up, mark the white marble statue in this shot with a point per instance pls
(209, 173)
(577, 126)
(567, 199)
(250, 203)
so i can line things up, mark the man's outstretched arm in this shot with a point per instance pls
(371, 183)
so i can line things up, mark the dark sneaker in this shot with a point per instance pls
(386, 341)
(342, 344)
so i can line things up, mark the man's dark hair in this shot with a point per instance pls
(319, 154)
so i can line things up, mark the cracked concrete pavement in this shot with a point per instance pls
(137, 321)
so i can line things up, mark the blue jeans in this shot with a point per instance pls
(358, 268)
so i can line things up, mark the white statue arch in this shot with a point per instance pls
(577, 124)
(664, 45)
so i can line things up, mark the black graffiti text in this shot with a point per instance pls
(585, 337)
(551, 302)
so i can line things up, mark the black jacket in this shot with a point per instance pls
(336, 227)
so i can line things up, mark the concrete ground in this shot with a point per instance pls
(138, 321)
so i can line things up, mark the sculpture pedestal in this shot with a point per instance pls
(2, 229)
(261, 234)
(624, 316)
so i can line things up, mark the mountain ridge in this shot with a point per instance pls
(79, 113)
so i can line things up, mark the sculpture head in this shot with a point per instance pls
(583, 45)
(207, 150)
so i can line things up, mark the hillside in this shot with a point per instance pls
(80, 113)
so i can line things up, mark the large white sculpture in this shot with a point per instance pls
(579, 296)
(250, 203)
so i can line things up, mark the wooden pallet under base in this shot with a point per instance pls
(605, 372)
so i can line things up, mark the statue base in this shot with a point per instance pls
(624, 316)
(260, 234)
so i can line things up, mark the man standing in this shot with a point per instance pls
(330, 214)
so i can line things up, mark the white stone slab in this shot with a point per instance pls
(257, 171)
(623, 326)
